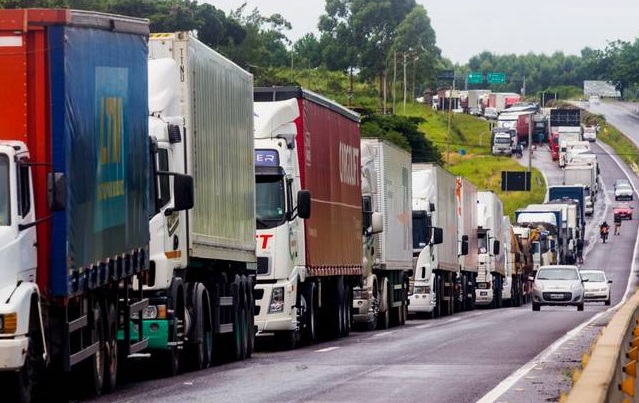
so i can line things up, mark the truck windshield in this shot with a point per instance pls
(4, 191)
(502, 140)
(270, 205)
(482, 242)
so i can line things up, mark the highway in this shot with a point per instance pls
(505, 355)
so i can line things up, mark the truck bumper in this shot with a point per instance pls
(421, 303)
(362, 310)
(483, 297)
(13, 351)
(285, 320)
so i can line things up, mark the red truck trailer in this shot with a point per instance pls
(307, 159)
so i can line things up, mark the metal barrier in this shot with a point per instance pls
(610, 373)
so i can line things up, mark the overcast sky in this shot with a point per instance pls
(467, 27)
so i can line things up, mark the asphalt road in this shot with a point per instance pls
(505, 355)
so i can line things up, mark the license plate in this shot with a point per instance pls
(483, 293)
(556, 296)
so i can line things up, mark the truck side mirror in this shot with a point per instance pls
(377, 223)
(438, 236)
(464, 245)
(304, 204)
(56, 191)
(183, 195)
(496, 247)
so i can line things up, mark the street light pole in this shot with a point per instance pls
(450, 117)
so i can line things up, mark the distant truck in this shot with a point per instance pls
(542, 229)
(74, 198)
(490, 237)
(435, 241)
(582, 174)
(503, 141)
(474, 101)
(590, 133)
(203, 258)
(569, 136)
(308, 264)
(382, 300)
(517, 264)
(502, 100)
(574, 192)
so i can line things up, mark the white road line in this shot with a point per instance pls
(327, 349)
(384, 334)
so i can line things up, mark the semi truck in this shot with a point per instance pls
(518, 266)
(382, 300)
(203, 259)
(582, 173)
(435, 241)
(308, 148)
(572, 192)
(541, 230)
(491, 270)
(74, 153)
(467, 243)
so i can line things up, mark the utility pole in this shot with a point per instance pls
(450, 118)
(394, 78)
(530, 148)
(405, 55)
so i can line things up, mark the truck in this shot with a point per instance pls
(569, 141)
(564, 117)
(569, 228)
(541, 231)
(502, 100)
(467, 243)
(307, 146)
(584, 174)
(474, 101)
(572, 192)
(203, 258)
(382, 299)
(74, 153)
(490, 238)
(435, 241)
(590, 133)
(517, 264)
(502, 141)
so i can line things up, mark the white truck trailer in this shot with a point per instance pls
(386, 188)
(466, 209)
(490, 237)
(203, 261)
(435, 248)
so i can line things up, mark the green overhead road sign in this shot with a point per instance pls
(475, 78)
(496, 78)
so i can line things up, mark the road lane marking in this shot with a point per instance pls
(327, 349)
(384, 334)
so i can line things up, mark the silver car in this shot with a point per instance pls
(558, 285)
(597, 288)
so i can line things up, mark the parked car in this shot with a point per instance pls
(623, 192)
(624, 210)
(557, 285)
(597, 288)
(590, 207)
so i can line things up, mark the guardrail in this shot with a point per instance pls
(610, 373)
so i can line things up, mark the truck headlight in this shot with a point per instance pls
(277, 300)
(152, 312)
(8, 323)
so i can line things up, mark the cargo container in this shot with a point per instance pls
(307, 158)
(74, 154)
(382, 300)
(467, 243)
(435, 241)
(203, 259)
(490, 258)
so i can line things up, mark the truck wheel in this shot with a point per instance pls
(250, 317)
(111, 354)
(238, 338)
(580, 307)
(372, 323)
(309, 301)
(91, 370)
(347, 304)
(536, 307)
(244, 320)
(199, 350)
(27, 379)
(384, 319)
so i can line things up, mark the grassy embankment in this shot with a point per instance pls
(472, 135)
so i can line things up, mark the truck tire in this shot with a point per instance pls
(309, 297)
(110, 315)
(198, 352)
(383, 321)
(27, 380)
(536, 307)
(372, 322)
(90, 372)
(250, 317)
(237, 339)
(244, 318)
(347, 304)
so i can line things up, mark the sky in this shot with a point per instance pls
(465, 28)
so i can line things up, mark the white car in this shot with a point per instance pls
(597, 288)
(590, 208)
(557, 285)
(594, 100)
(623, 191)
